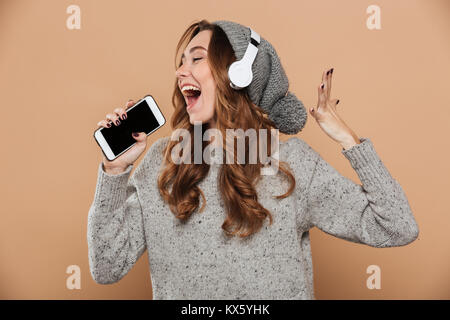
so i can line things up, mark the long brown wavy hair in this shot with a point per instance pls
(233, 109)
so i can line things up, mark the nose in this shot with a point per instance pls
(181, 71)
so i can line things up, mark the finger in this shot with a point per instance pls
(104, 123)
(334, 103)
(324, 76)
(321, 101)
(325, 80)
(325, 85)
(120, 113)
(139, 136)
(329, 76)
(129, 103)
(312, 112)
(114, 118)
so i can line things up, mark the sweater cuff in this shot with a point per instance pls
(111, 189)
(367, 164)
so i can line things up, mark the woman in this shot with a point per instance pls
(224, 230)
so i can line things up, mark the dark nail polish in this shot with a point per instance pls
(108, 125)
(328, 72)
(331, 71)
(124, 116)
(118, 122)
(135, 134)
(321, 87)
(337, 102)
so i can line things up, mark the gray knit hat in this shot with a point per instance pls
(270, 85)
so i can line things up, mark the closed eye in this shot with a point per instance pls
(181, 63)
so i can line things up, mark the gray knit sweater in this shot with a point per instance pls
(195, 260)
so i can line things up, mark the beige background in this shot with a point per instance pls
(56, 84)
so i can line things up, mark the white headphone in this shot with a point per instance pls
(240, 72)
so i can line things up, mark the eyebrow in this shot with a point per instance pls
(192, 49)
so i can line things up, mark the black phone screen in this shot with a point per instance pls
(139, 119)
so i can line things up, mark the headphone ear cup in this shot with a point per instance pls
(240, 74)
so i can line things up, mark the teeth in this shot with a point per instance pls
(189, 88)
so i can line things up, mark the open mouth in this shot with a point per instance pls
(192, 97)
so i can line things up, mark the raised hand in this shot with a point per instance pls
(327, 117)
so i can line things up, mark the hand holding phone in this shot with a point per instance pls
(120, 164)
(119, 147)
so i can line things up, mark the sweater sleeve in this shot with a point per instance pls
(115, 232)
(376, 213)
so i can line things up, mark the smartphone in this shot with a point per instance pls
(144, 116)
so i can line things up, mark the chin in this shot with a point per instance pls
(193, 118)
